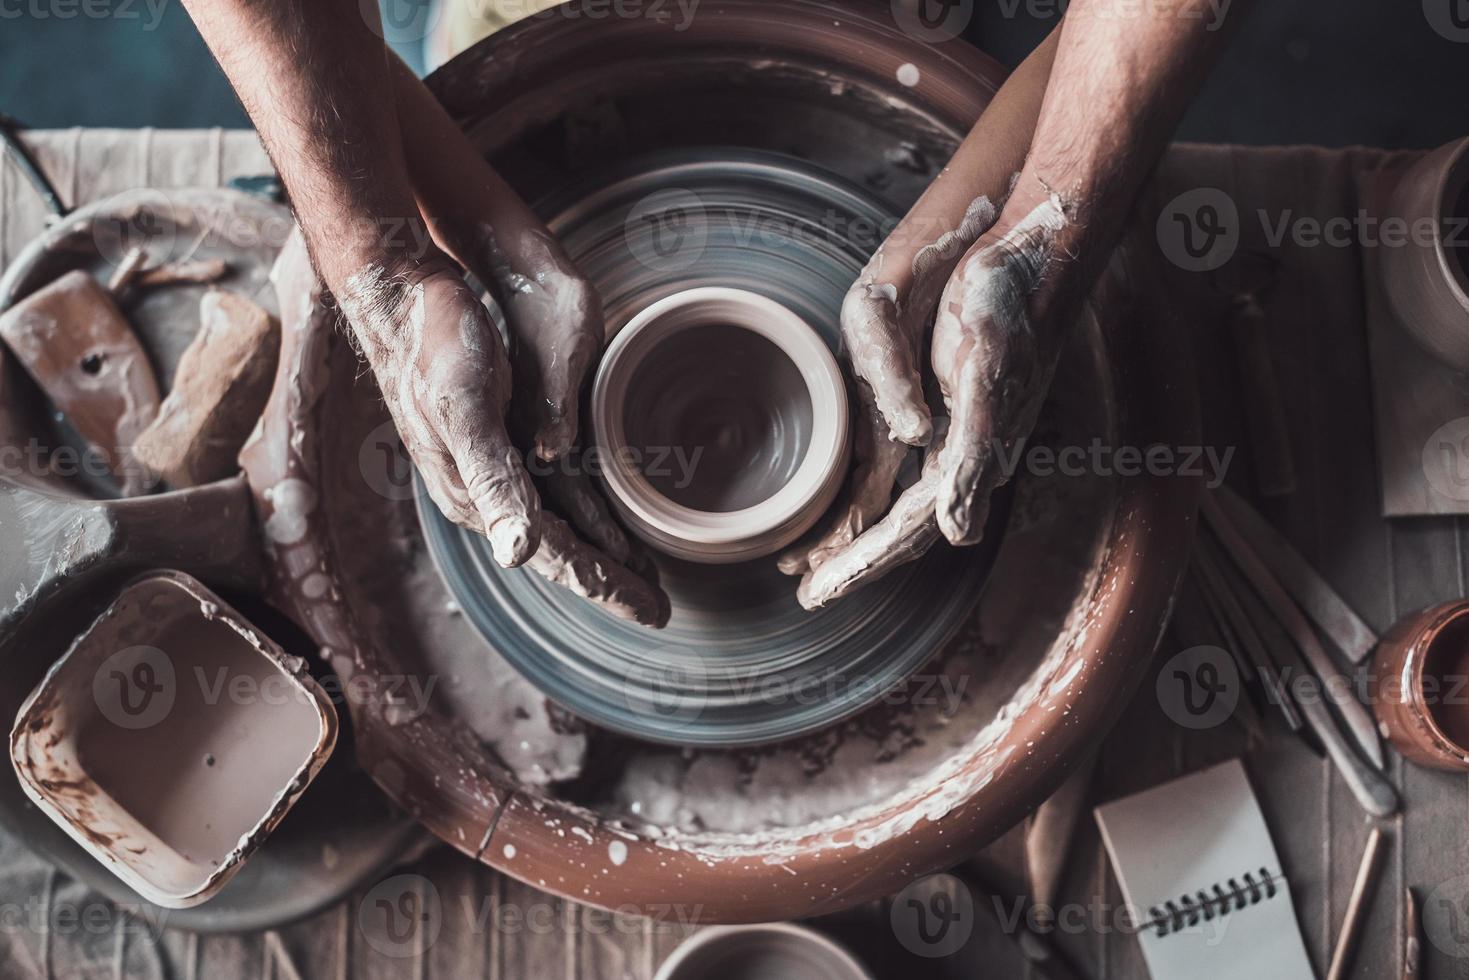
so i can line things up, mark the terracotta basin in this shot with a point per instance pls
(552, 101)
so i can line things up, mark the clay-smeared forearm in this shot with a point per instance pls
(315, 79)
(885, 312)
(1123, 74)
(553, 313)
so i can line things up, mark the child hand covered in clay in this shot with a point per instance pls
(386, 188)
(993, 262)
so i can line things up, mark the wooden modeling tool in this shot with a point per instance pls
(1209, 567)
(1306, 586)
(1248, 277)
(1412, 937)
(1050, 833)
(1355, 716)
(1351, 925)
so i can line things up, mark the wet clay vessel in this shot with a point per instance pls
(1419, 698)
(744, 393)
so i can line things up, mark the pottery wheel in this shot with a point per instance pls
(740, 661)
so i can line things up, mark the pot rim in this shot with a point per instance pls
(780, 518)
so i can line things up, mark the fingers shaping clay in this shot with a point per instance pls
(74, 341)
(219, 391)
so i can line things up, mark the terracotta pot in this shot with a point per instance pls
(778, 448)
(1421, 695)
(1427, 277)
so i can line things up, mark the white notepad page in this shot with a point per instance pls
(1185, 837)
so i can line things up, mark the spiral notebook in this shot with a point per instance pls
(1200, 874)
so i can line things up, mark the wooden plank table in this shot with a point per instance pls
(491, 926)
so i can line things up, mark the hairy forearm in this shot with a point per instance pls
(1124, 73)
(314, 78)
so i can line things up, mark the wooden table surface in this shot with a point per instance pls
(489, 925)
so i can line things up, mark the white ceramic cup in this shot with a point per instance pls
(721, 423)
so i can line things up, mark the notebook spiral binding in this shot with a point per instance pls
(1214, 902)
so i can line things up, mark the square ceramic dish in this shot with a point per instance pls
(171, 738)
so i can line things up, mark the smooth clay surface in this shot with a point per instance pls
(727, 408)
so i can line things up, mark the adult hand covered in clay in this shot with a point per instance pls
(386, 189)
(997, 255)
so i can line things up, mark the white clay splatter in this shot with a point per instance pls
(908, 74)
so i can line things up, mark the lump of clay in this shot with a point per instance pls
(74, 341)
(220, 389)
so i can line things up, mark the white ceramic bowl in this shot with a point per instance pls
(748, 444)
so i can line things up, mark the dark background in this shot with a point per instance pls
(1298, 71)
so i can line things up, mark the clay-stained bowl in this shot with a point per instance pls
(1419, 670)
(171, 739)
(1080, 594)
